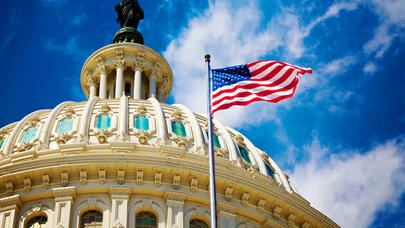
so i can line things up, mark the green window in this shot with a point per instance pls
(141, 123)
(217, 144)
(29, 135)
(196, 223)
(145, 220)
(269, 170)
(92, 219)
(103, 122)
(244, 154)
(1, 143)
(66, 126)
(178, 129)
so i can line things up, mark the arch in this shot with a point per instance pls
(149, 206)
(196, 223)
(87, 204)
(46, 131)
(196, 213)
(143, 216)
(9, 143)
(195, 127)
(36, 210)
(90, 217)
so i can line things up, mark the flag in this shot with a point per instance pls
(269, 81)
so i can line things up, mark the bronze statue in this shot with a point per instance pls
(129, 13)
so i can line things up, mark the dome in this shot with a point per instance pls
(124, 156)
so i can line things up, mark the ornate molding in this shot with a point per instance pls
(228, 193)
(45, 181)
(27, 184)
(158, 178)
(10, 203)
(101, 176)
(120, 192)
(139, 177)
(245, 199)
(175, 197)
(261, 204)
(176, 181)
(194, 184)
(120, 60)
(83, 176)
(120, 176)
(64, 194)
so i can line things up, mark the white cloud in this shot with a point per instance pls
(370, 68)
(53, 2)
(350, 187)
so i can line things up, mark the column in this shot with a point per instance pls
(119, 198)
(63, 206)
(226, 215)
(93, 90)
(175, 214)
(152, 86)
(119, 82)
(9, 208)
(137, 83)
(161, 95)
(103, 84)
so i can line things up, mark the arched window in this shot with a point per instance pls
(103, 122)
(65, 126)
(244, 153)
(217, 144)
(29, 135)
(196, 223)
(37, 222)
(179, 129)
(269, 170)
(145, 220)
(1, 143)
(91, 219)
(141, 123)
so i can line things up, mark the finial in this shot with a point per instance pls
(207, 58)
(129, 14)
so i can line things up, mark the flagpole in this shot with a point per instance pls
(213, 194)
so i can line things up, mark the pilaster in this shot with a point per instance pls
(226, 215)
(63, 206)
(175, 214)
(8, 210)
(119, 198)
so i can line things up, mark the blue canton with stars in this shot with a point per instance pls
(229, 76)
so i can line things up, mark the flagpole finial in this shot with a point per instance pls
(207, 58)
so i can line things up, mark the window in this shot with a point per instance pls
(1, 143)
(127, 89)
(141, 123)
(145, 220)
(269, 170)
(37, 222)
(91, 219)
(29, 135)
(103, 122)
(217, 144)
(178, 129)
(65, 126)
(244, 154)
(196, 223)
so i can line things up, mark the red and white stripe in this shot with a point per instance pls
(270, 81)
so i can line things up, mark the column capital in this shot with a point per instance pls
(64, 194)
(120, 60)
(227, 208)
(174, 197)
(120, 192)
(10, 203)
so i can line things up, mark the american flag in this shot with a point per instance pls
(269, 81)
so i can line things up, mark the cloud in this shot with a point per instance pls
(370, 68)
(351, 186)
(7, 40)
(71, 47)
(53, 2)
(78, 19)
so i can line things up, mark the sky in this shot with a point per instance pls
(340, 138)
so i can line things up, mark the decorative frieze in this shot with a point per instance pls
(193, 184)
(63, 194)
(27, 184)
(45, 181)
(139, 177)
(101, 176)
(120, 176)
(176, 181)
(83, 177)
(245, 199)
(158, 178)
(228, 193)
(64, 178)
(9, 187)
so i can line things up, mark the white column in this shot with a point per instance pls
(123, 120)
(152, 86)
(103, 84)
(93, 90)
(175, 214)
(119, 82)
(138, 83)
(119, 198)
(9, 214)
(63, 206)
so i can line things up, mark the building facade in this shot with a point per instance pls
(124, 158)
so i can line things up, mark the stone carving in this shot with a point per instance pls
(228, 193)
(261, 204)
(45, 181)
(9, 187)
(291, 219)
(121, 176)
(129, 13)
(139, 177)
(176, 181)
(245, 199)
(27, 184)
(83, 177)
(64, 178)
(101, 176)
(277, 211)
(158, 178)
(194, 184)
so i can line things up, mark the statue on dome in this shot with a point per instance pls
(129, 13)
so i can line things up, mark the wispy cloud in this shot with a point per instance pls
(71, 47)
(370, 68)
(351, 186)
(53, 2)
(7, 40)
(78, 19)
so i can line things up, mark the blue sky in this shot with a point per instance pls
(341, 137)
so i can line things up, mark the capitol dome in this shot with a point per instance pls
(124, 158)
